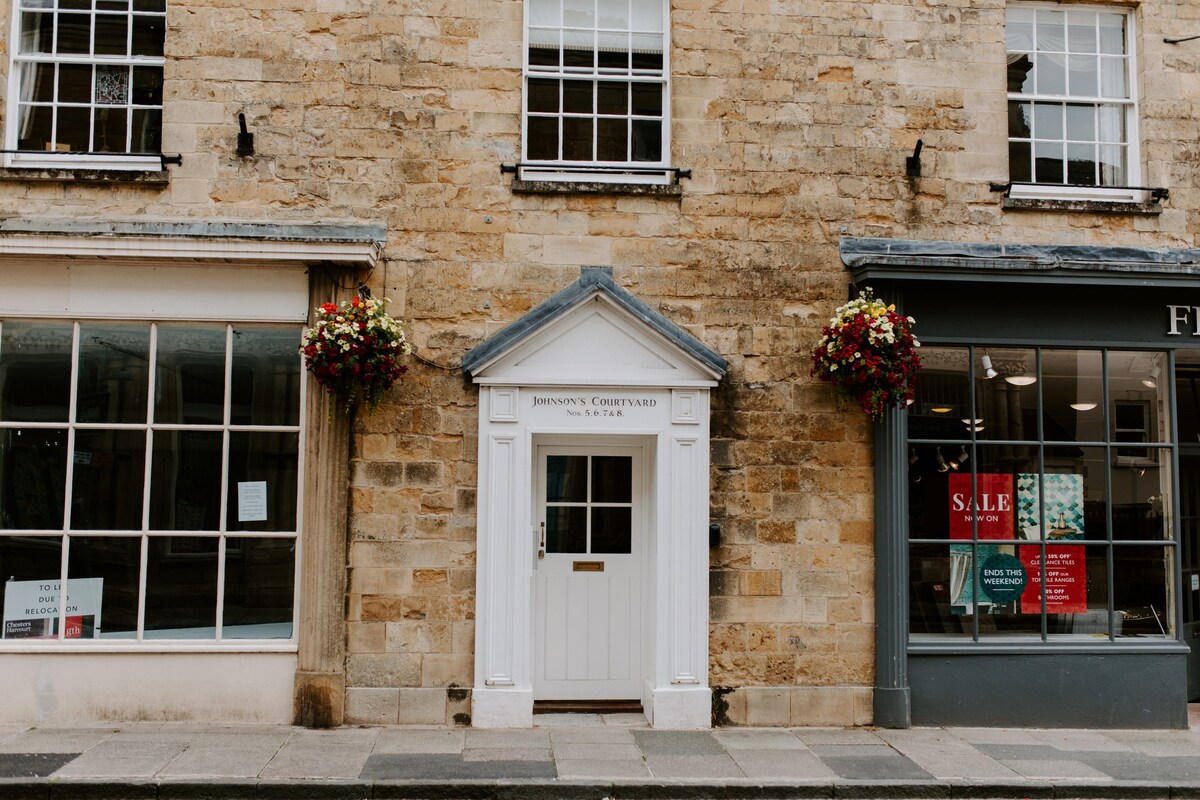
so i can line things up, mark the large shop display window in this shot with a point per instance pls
(152, 470)
(1040, 494)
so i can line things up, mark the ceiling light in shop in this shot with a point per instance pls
(941, 409)
(1083, 406)
(1021, 380)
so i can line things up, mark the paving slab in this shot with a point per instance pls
(996, 735)
(1176, 769)
(308, 759)
(927, 741)
(612, 769)
(758, 740)
(600, 736)
(811, 736)
(567, 721)
(476, 738)
(1064, 768)
(1091, 741)
(230, 762)
(56, 740)
(9, 731)
(112, 758)
(443, 767)
(596, 752)
(677, 743)
(694, 766)
(957, 766)
(877, 750)
(868, 767)
(507, 754)
(780, 764)
(32, 765)
(419, 740)
(626, 720)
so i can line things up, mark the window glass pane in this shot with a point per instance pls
(942, 399)
(1081, 123)
(1081, 164)
(648, 99)
(940, 589)
(566, 479)
(612, 530)
(147, 86)
(85, 5)
(1112, 165)
(614, 13)
(612, 140)
(647, 15)
(107, 485)
(1048, 120)
(1048, 162)
(181, 587)
(1019, 166)
(612, 479)
(1112, 33)
(1018, 29)
(579, 14)
(74, 83)
(613, 57)
(566, 529)
(74, 34)
(185, 484)
(577, 139)
(1081, 31)
(1020, 74)
(1006, 405)
(543, 95)
(33, 478)
(112, 35)
(1141, 591)
(612, 97)
(190, 381)
(1112, 78)
(266, 376)
(110, 133)
(1051, 30)
(260, 578)
(577, 97)
(1020, 120)
(1141, 492)
(112, 85)
(544, 12)
(74, 130)
(32, 569)
(39, 88)
(1008, 596)
(148, 36)
(541, 139)
(1137, 390)
(150, 5)
(37, 32)
(146, 136)
(1051, 73)
(1083, 76)
(35, 371)
(105, 568)
(1073, 395)
(35, 127)
(1187, 395)
(1070, 504)
(647, 52)
(112, 372)
(544, 55)
(262, 481)
(647, 140)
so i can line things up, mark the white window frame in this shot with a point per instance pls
(32, 160)
(1047, 191)
(628, 172)
(140, 643)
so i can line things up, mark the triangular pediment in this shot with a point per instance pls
(594, 333)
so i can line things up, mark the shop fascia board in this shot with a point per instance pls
(906, 260)
(344, 245)
(510, 356)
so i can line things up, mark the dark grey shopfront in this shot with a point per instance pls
(1037, 540)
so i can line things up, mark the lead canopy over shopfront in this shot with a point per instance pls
(1030, 494)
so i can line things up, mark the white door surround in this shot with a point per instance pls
(593, 367)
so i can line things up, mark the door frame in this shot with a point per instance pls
(642, 448)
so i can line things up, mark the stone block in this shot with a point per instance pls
(422, 706)
(365, 706)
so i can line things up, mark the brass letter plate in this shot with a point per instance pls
(588, 566)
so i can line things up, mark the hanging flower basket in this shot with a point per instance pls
(354, 350)
(867, 351)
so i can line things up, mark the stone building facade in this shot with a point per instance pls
(388, 123)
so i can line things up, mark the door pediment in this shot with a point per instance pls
(594, 333)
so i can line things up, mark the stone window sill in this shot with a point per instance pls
(82, 175)
(1149, 208)
(597, 187)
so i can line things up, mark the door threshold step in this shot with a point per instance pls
(587, 707)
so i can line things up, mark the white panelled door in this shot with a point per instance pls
(590, 516)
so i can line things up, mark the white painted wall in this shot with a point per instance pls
(62, 688)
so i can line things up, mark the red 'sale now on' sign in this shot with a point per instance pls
(992, 506)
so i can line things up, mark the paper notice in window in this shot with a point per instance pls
(252, 501)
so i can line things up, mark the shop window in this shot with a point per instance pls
(88, 88)
(1030, 515)
(154, 472)
(597, 93)
(1072, 104)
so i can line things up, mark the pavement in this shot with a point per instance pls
(590, 757)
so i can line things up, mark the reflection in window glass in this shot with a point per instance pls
(185, 485)
(35, 381)
(1006, 404)
(266, 376)
(612, 530)
(113, 363)
(1141, 485)
(943, 399)
(1137, 392)
(940, 587)
(1072, 395)
(259, 587)
(106, 492)
(612, 479)
(566, 479)
(181, 587)
(28, 564)
(105, 567)
(33, 474)
(191, 375)
(1141, 590)
(262, 481)
(566, 530)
